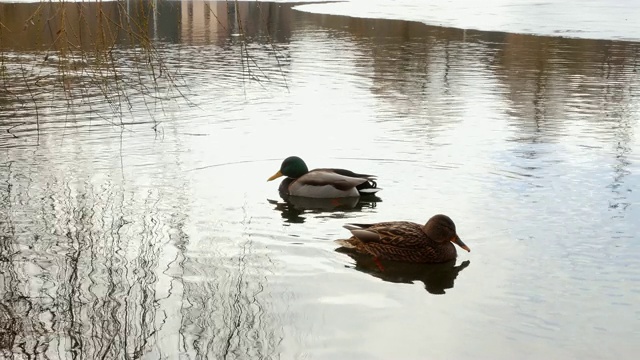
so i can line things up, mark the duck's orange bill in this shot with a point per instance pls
(275, 176)
(456, 240)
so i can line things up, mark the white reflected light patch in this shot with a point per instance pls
(597, 19)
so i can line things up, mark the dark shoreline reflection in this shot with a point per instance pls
(34, 26)
(436, 277)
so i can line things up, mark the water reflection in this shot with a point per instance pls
(110, 249)
(565, 102)
(293, 208)
(436, 277)
(91, 271)
(35, 25)
(74, 257)
(223, 22)
(225, 314)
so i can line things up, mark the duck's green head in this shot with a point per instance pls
(293, 167)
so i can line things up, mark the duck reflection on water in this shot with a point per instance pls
(436, 277)
(294, 207)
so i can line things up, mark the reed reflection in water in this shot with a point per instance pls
(84, 263)
(95, 267)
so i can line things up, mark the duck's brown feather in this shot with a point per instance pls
(402, 234)
(400, 241)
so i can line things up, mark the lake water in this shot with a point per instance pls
(137, 221)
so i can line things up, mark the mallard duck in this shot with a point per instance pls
(322, 183)
(406, 241)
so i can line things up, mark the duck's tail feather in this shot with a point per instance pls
(345, 243)
(352, 227)
(369, 184)
(365, 236)
(368, 187)
(350, 173)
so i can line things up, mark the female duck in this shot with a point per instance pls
(406, 241)
(322, 183)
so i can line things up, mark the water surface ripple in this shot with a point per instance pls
(147, 229)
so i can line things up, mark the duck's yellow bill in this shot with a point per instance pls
(275, 176)
(456, 240)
